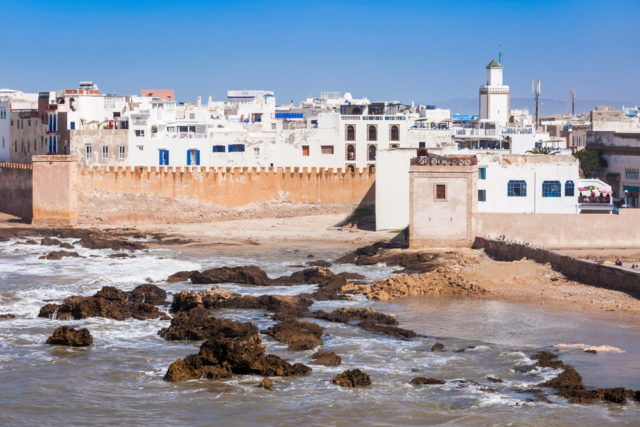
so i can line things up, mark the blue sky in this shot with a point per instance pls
(425, 51)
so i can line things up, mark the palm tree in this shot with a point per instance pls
(543, 150)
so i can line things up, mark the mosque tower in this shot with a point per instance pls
(494, 96)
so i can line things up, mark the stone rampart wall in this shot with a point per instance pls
(600, 275)
(230, 187)
(16, 190)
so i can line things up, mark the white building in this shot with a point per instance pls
(494, 96)
(5, 129)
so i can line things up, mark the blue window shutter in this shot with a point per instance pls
(73, 125)
(198, 157)
(160, 157)
(188, 157)
(166, 158)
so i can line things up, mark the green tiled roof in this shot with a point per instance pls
(494, 64)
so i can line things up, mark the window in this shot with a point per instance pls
(394, 134)
(351, 168)
(122, 152)
(371, 154)
(171, 129)
(29, 122)
(139, 132)
(482, 173)
(105, 151)
(72, 125)
(163, 157)
(305, 151)
(326, 149)
(517, 189)
(569, 189)
(551, 189)
(256, 151)
(219, 148)
(372, 133)
(441, 192)
(140, 147)
(351, 133)
(88, 151)
(193, 157)
(482, 195)
(273, 126)
(631, 174)
(235, 148)
(422, 145)
(351, 152)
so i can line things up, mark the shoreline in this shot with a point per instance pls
(522, 282)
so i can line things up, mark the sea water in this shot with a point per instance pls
(118, 380)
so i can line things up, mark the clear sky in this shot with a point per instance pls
(427, 51)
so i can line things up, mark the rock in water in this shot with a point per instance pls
(352, 378)
(57, 255)
(65, 335)
(266, 383)
(296, 334)
(423, 380)
(437, 347)
(326, 358)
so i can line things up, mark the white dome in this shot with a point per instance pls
(347, 96)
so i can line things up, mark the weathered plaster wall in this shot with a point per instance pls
(54, 198)
(562, 230)
(15, 189)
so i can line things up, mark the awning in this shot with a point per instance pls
(633, 188)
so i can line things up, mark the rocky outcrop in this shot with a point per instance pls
(427, 381)
(65, 335)
(441, 281)
(100, 241)
(367, 319)
(266, 384)
(180, 276)
(223, 357)
(199, 324)
(58, 255)
(326, 358)
(247, 275)
(437, 347)
(569, 384)
(111, 303)
(352, 378)
(296, 334)
(7, 316)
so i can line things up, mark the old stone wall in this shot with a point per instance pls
(227, 187)
(562, 230)
(16, 189)
(600, 275)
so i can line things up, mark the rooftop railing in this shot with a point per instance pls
(444, 161)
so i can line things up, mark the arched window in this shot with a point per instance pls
(372, 133)
(517, 189)
(551, 189)
(351, 133)
(372, 153)
(395, 133)
(351, 152)
(569, 189)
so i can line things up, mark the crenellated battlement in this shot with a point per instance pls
(222, 170)
(16, 165)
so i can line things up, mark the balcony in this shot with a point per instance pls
(433, 160)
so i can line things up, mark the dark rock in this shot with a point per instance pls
(49, 241)
(248, 275)
(614, 395)
(120, 255)
(57, 255)
(591, 351)
(348, 314)
(223, 357)
(351, 276)
(352, 378)
(65, 335)
(180, 276)
(319, 263)
(100, 241)
(423, 380)
(199, 324)
(296, 334)
(495, 380)
(111, 303)
(386, 329)
(437, 347)
(266, 383)
(326, 358)
(7, 316)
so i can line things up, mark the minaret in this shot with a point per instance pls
(494, 96)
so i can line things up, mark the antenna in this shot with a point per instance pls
(535, 90)
(500, 53)
(573, 101)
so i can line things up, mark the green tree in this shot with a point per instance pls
(590, 161)
(154, 129)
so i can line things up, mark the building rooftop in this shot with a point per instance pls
(494, 64)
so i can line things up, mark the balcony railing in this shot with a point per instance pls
(432, 160)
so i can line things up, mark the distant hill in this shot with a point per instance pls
(549, 106)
